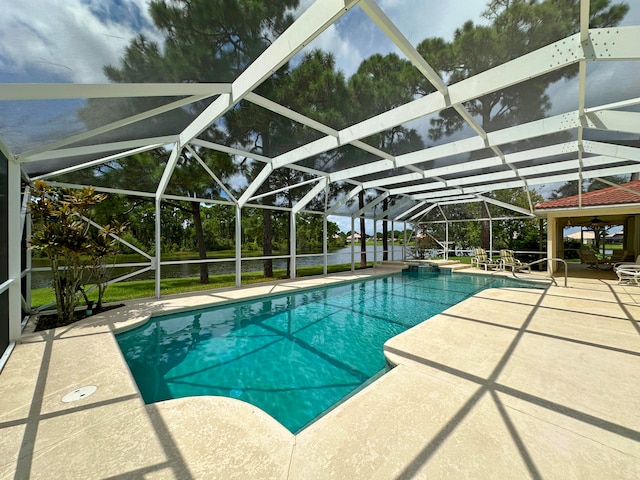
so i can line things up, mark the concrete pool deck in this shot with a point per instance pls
(512, 383)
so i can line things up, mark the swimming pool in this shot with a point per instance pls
(294, 356)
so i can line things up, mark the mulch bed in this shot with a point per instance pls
(45, 322)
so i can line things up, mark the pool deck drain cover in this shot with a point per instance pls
(79, 393)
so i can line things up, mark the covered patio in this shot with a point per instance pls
(618, 205)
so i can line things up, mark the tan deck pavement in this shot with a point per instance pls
(512, 383)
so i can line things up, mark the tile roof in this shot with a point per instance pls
(605, 196)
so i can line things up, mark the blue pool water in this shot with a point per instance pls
(294, 356)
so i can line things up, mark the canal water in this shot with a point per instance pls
(342, 255)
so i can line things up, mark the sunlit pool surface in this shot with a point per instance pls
(294, 356)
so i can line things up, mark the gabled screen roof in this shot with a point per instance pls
(353, 93)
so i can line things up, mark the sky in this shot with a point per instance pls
(67, 40)
(355, 37)
(72, 40)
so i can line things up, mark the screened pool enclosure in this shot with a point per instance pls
(321, 113)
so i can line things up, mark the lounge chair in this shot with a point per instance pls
(589, 257)
(508, 260)
(629, 264)
(481, 259)
(618, 256)
(628, 272)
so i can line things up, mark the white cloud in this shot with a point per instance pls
(355, 37)
(419, 19)
(610, 82)
(67, 40)
(344, 224)
(304, 4)
(346, 52)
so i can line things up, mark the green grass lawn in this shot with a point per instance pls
(146, 288)
(134, 257)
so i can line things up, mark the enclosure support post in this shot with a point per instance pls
(353, 234)
(446, 240)
(25, 239)
(324, 245)
(404, 248)
(238, 235)
(28, 228)
(162, 186)
(490, 237)
(158, 234)
(14, 243)
(552, 233)
(541, 238)
(293, 242)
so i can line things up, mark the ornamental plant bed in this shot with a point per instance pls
(51, 320)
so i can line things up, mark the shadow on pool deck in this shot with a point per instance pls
(511, 383)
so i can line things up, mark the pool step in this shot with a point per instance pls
(445, 266)
(454, 266)
(448, 266)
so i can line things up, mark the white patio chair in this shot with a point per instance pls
(628, 272)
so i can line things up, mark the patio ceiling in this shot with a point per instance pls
(460, 169)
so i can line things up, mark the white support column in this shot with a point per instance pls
(325, 249)
(28, 226)
(158, 233)
(634, 235)
(552, 233)
(15, 246)
(26, 196)
(375, 243)
(353, 225)
(162, 186)
(490, 237)
(238, 234)
(404, 248)
(486, 208)
(446, 240)
(25, 231)
(293, 241)
(325, 231)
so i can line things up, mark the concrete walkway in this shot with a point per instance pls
(512, 383)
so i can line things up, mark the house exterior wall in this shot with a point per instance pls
(631, 241)
(552, 242)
